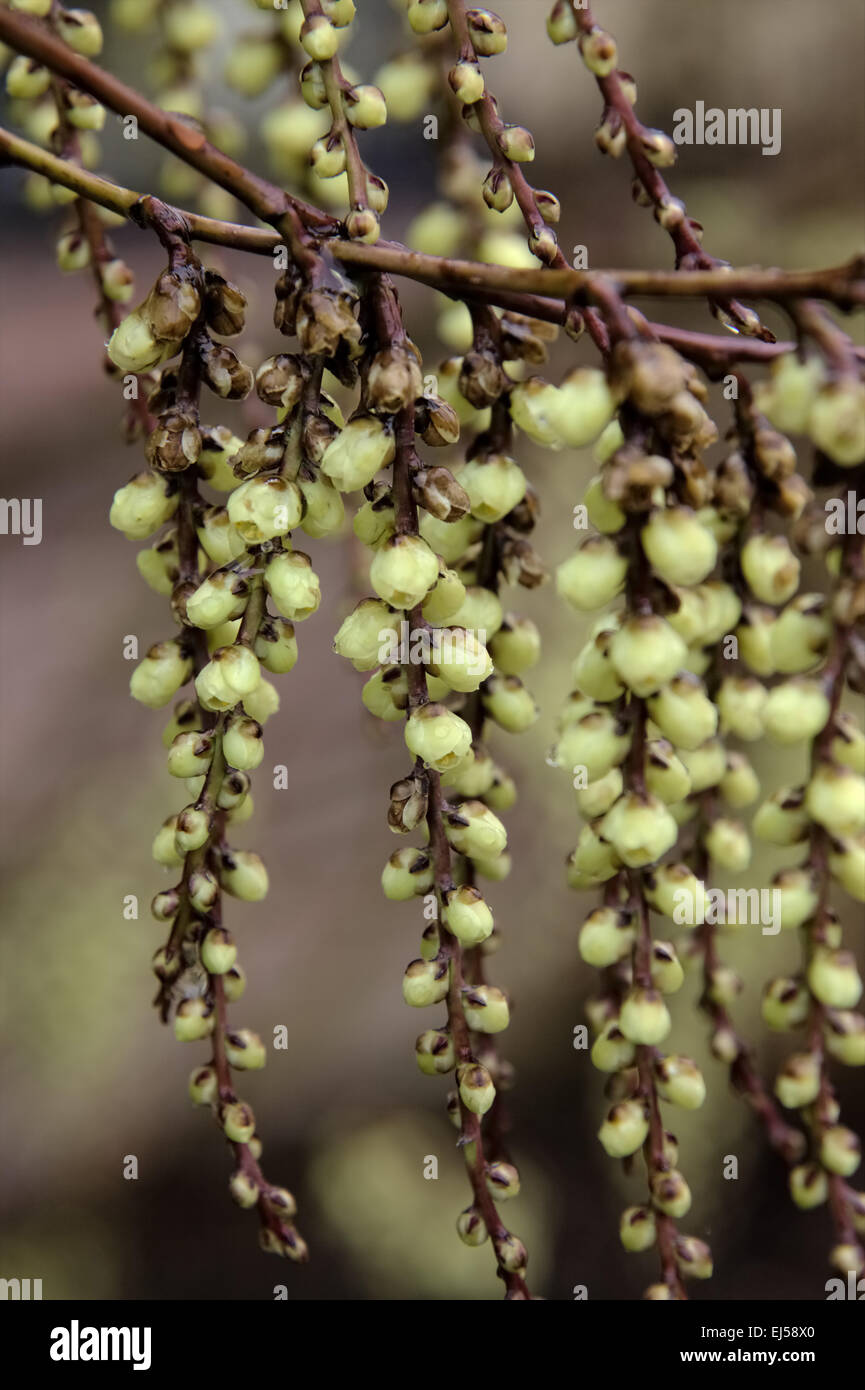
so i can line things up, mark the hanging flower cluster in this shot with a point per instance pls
(444, 661)
(222, 566)
(702, 641)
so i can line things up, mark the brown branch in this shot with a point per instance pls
(492, 125)
(712, 352)
(334, 85)
(270, 203)
(842, 284)
(68, 144)
(812, 320)
(689, 250)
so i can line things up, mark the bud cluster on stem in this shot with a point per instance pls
(408, 576)
(218, 565)
(823, 999)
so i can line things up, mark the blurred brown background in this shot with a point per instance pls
(88, 1075)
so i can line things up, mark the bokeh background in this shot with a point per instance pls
(88, 1075)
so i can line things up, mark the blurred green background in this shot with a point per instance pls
(88, 1075)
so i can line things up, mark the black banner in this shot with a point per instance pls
(63, 1339)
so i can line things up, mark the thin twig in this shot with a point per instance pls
(289, 215)
(843, 284)
(689, 251)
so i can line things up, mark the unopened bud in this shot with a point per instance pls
(224, 372)
(562, 23)
(693, 1257)
(438, 492)
(470, 1225)
(203, 1086)
(658, 148)
(319, 38)
(279, 381)
(238, 1122)
(425, 982)
(175, 443)
(408, 804)
(502, 1180)
(245, 1050)
(599, 52)
(224, 305)
(194, 1020)
(466, 82)
(476, 1088)
(362, 224)
(670, 1193)
(365, 107)
(497, 190)
(624, 1129)
(435, 1053)
(394, 379)
(516, 143)
(436, 422)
